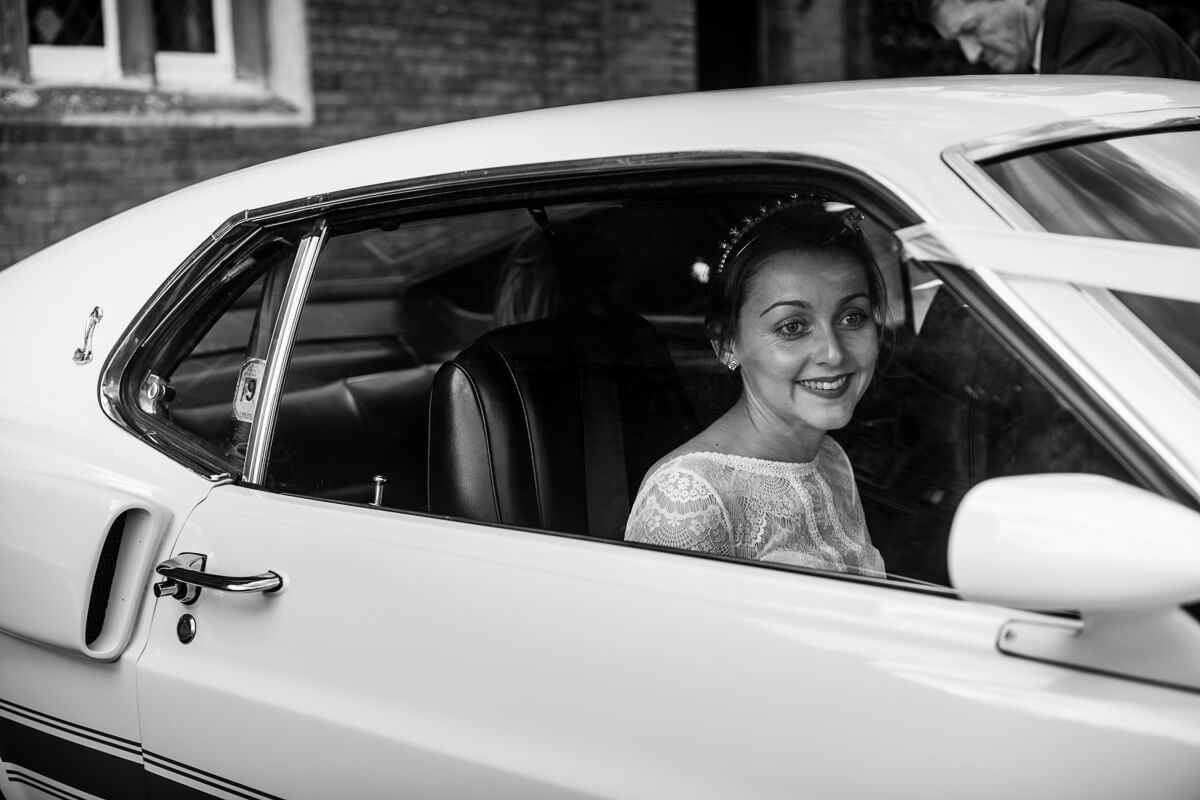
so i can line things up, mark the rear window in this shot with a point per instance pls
(1143, 188)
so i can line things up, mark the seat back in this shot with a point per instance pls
(552, 424)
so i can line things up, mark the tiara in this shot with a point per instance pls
(737, 234)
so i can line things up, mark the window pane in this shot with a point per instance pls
(214, 385)
(66, 22)
(391, 303)
(1176, 322)
(1138, 188)
(951, 407)
(184, 26)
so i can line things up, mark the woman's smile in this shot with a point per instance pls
(832, 387)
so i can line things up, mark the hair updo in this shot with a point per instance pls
(793, 223)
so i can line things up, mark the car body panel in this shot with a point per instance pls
(523, 665)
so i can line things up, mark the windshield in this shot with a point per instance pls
(1143, 188)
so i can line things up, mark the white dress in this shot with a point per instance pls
(807, 514)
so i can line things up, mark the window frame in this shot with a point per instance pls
(966, 159)
(187, 292)
(191, 288)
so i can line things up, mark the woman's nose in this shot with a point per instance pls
(971, 48)
(829, 346)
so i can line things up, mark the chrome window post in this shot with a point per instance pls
(262, 432)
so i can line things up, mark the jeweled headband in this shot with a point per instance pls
(739, 236)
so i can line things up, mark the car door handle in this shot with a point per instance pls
(185, 577)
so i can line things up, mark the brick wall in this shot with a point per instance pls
(376, 66)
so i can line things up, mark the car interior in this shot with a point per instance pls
(525, 364)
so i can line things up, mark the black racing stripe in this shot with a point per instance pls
(161, 787)
(41, 785)
(83, 731)
(209, 778)
(69, 763)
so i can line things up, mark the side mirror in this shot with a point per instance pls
(1074, 543)
(1123, 558)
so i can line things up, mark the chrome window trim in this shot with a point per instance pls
(920, 244)
(197, 271)
(262, 430)
(963, 159)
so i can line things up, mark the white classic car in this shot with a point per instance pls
(308, 489)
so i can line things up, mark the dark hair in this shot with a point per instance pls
(794, 223)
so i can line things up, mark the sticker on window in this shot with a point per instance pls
(246, 397)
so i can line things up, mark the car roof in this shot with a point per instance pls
(894, 129)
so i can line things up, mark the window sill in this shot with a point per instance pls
(122, 106)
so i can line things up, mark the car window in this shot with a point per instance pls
(1176, 322)
(526, 366)
(953, 406)
(1143, 188)
(209, 372)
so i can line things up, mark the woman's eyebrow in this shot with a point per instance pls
(806, 305)
(800, 303)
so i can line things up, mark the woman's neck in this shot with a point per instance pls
(746, 431)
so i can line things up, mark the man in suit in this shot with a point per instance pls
(1097, 37)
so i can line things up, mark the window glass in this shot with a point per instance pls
(184, 26)
(65, 22)
(1139, 188)
(1176, 322)
(950, 407)
(214, 380)
(527, 366)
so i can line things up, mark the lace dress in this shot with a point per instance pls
(807, 514)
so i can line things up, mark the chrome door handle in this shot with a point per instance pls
(185, 577)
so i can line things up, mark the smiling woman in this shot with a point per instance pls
(796, 310)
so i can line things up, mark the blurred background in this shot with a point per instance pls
(107, 103)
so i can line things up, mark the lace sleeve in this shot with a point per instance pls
(678, 508)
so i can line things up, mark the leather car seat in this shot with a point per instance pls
(552, 424)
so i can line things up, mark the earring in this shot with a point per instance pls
(731, 364)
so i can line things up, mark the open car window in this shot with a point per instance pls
(525, 364)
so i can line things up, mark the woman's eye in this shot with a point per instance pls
(854, 319)
(792, 328)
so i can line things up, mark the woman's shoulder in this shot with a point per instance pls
(695, 462)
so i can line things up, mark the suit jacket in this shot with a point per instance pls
(1104, 37)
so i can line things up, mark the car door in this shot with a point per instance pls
(427, 657)
(363, 648)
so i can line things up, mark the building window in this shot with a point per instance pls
(148, 62)
(194, 41)
(66, 39)
(173, 44)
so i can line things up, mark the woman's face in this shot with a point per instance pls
(806, 339)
